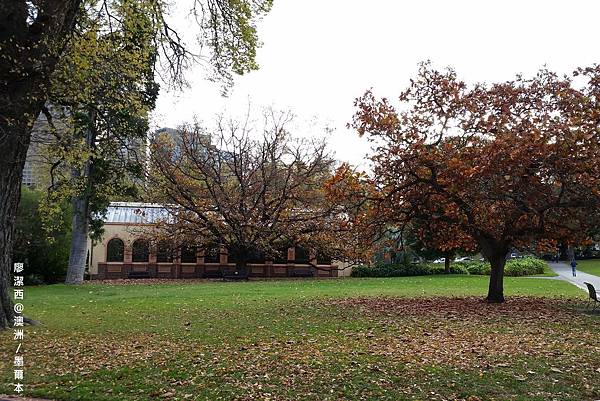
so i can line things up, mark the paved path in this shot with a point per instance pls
(564, 272)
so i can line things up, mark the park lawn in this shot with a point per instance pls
(591, 266)
(548, 272)
(382, 339)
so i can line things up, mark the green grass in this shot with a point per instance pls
(591, 266)
(548, 272)
(306, 339)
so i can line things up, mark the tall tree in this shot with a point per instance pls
(104, 86)
(31, 40)
(33, 37)
(249, 195)
(489, 166)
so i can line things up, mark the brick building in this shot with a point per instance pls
(125, 251)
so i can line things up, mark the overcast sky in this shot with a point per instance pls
(319, 55)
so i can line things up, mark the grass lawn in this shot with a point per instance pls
(591, 266)
(347, 339)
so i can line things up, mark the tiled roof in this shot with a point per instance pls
(135, 213)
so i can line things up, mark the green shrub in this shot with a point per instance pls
(514, 268)
(524, 267)
(45, 255)
(404, 270)
(455, 268)
(390, 270)
(478, 268)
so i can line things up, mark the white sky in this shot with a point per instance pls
(319, 55)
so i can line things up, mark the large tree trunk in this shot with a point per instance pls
(80, 228)
(13, 147)
(81, 214)
(30, 51)
(495, 252)
(496, 287)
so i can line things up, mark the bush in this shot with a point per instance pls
(455, 268)
(390, 270)
(478, 268)
(404, 270)
(45, 255)
(514, 268)
(524, 267)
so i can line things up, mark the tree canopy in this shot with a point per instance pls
(488, 167)
(248, 191)
(102, 92)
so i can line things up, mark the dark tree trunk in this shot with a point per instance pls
(241, 263)
(496, 288)
(29, 55)
(495, 252)
(13, 147)
(447, 263)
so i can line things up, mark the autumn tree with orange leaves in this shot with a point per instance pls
(250, 191)
(487, 167)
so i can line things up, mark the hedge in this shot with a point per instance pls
(514, 268)
(401, 270)
(527, 266)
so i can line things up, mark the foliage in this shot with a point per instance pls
(403, 338)
(426, 243)
(101, 94)
(45, 255)
(528, 266)
(404, 270)
(439, 268)
(487, 167)
(230, 31)
(249, 195)
(478, 268)
(524, 267)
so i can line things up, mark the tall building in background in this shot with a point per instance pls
(37, 166)
(176, 137)
(171, 133)
(36, 172)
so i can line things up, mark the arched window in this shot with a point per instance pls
(140, 251)
(115, 250)
(302, 255)
(164, 252)
(188, 254)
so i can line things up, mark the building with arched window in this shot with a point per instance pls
(125, 252)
